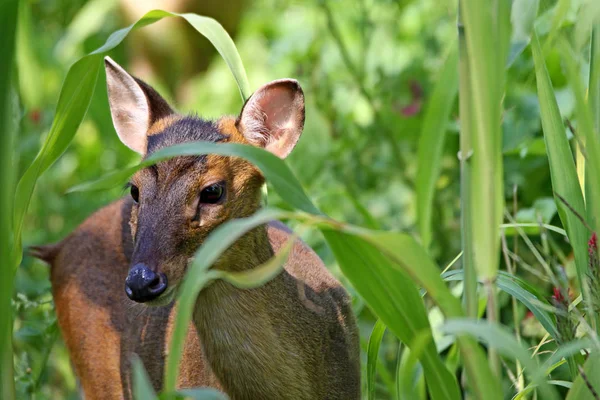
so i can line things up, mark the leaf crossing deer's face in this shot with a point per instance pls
(178, 202)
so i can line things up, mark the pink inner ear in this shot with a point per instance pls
(277, 105)
(273, 118)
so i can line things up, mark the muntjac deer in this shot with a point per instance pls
(293, 338)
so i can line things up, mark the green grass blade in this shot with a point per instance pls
(77, 91)
(372, 356)
(522, 291)
(198, 276)
(8, 128)
(275, 170)
(142, 387)
(499, 338)
(581, 387)
(202, 394)
(72, 105)
(395, 299)
(214, 32)
(522, 16)
(562, 166)
(261, 274)
(432, 139)
(586, 134)
(408, 256)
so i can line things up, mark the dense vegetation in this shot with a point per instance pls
(470, 157)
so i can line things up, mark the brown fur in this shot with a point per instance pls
(293, 338)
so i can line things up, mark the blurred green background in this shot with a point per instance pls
(367, 68)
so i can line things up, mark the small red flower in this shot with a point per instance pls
(558, 295)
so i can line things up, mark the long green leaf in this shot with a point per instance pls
(586, 134)
(76, 94)
(372, 355)
(562, 167)
(395, 300)
(275, 170)
(432, 139)
(8, 127)
(582, 388)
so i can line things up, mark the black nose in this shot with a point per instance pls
(143, 284)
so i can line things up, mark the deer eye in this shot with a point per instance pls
(211, 194)
(135, 193)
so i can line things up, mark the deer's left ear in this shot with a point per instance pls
(273, 117)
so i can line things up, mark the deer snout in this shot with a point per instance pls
(143, 284)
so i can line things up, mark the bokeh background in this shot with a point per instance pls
(367, 68)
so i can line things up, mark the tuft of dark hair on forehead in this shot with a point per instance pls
(187, 129)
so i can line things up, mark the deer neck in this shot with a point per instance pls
(240, 328)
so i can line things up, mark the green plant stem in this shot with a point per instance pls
(466, 149)
(492, 313)
(8, 24)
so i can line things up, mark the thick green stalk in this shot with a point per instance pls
(487, 34)
(8, 23)
(466, 129)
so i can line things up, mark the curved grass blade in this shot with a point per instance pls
(275, 170)
(142, 387)
(432, 139)
(562, 167)
(261, 274)
(523, 292)
(198, 276)
(372, 355)
(76, 94)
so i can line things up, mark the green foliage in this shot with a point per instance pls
(369, 157)
(8, 21)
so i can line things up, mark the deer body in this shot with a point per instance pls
(293, 338)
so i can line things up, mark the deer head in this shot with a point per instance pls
(178, 202)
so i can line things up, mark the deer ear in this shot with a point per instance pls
(273, 117)
(134, 106)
